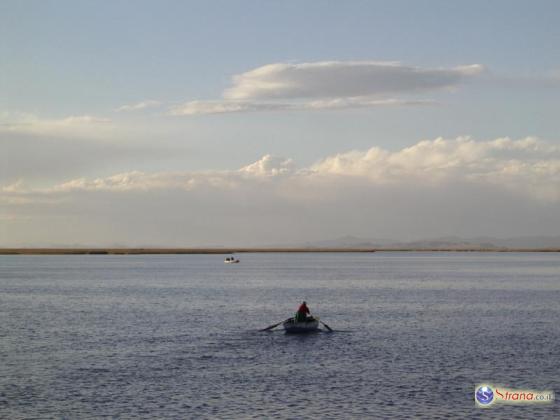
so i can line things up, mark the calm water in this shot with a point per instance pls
(177, 336)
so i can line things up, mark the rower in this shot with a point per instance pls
(302, 312)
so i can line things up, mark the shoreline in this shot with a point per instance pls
(225, 251)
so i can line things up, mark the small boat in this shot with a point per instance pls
(231, 260)
(311, 324)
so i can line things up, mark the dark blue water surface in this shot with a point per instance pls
(177, 336)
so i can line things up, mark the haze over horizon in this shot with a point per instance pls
(216, 123)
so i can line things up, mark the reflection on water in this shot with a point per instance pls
(177, 336)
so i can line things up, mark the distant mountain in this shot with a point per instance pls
(353, 242)
(452, 242)
(350, 242)
(530, 242)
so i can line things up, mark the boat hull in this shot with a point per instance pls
(291, 326)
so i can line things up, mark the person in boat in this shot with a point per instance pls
(302, 313)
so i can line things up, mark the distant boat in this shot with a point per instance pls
(231, 260)
(311, 324)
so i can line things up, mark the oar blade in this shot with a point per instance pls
(327, 327)
(273, 326)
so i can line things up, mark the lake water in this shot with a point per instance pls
(177, 336)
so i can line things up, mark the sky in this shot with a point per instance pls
(252, 123)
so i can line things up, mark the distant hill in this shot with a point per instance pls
(353, 242)
(529, 242)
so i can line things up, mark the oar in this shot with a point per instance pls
(328, 328)
(274, 326)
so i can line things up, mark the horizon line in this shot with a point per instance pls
(234, 250)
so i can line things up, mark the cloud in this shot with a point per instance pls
(129, 181)
(362, 102)
(14, 187)
(269, 166)
(434, 187)
(39, 159)
(223, 107)
(339, 79)
(139, 106)
(328, 85)
(74, 125)
(526, 166)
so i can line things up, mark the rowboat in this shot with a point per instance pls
(309, 325)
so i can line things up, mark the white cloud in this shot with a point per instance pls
(74, 125)
(340, 79)
(150, 103)
(529, 167)
(362, 102)
(14, 187)
(437, 187)
(269, 166)
(328, 85)
(223, 107)
(140, 181)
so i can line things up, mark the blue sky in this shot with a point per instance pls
(60, 51)
(91, 90)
